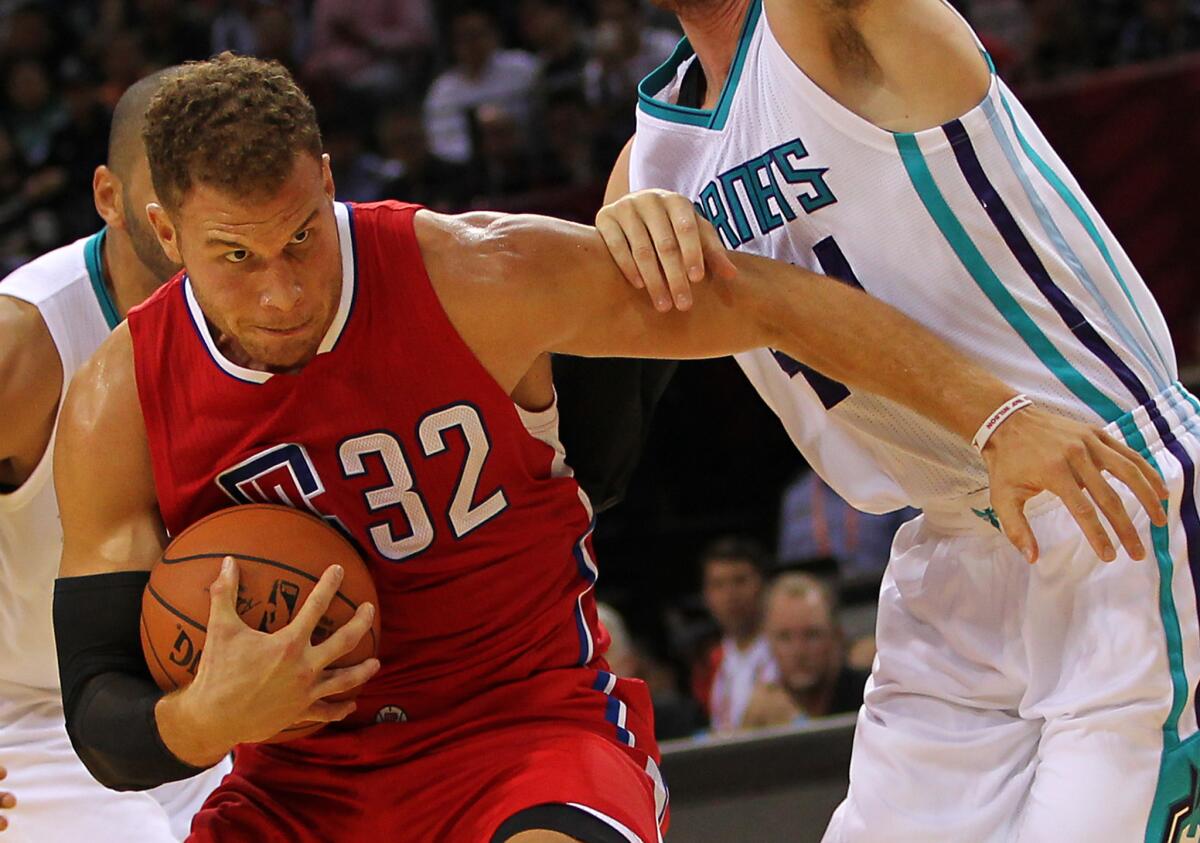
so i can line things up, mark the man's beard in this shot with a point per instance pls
(145, 244)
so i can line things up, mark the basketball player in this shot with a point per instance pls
(54, 312)
(872, 140)
(387, 367)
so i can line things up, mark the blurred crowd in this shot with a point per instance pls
(507, 105)
(524, 106)
(772, 638)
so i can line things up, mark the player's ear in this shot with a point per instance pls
(108, 196)
(327, 177)
(164, 230)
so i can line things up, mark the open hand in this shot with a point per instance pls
(1035, 451)
(251, 685)
(662, 245)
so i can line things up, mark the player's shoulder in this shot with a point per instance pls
(105, 387)
(47, 275)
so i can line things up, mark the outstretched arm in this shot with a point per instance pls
(520, 286)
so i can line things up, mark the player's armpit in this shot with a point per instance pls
(102, 470)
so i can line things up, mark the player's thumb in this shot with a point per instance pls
(1010, 511)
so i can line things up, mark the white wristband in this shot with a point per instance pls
(1002, 414)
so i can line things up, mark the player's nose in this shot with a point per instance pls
(280, 290)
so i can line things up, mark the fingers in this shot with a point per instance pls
(1110, 503)
(717, 256)
(1135, 472)
(646, 258)
(314, 608)
(684, 226)
(665, 251)
(338, 680)
(1010, 510)
(1084, 513)
(222, 595)
(346, 637)
(618, 246)
(325, 711)
(7, 800)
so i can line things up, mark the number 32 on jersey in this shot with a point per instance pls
(286, 474)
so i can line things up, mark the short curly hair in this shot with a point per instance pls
(234, 122)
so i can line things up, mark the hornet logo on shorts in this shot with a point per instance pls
(1183, 818)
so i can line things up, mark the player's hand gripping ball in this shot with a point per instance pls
(280, 553)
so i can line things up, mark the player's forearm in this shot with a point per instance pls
(869, 345)
(108, 695)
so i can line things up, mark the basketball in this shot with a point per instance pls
(281, 553)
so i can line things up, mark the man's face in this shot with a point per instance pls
(473, 40)
(265, 271)
(803, 639)
(733, 595)
(136, 193)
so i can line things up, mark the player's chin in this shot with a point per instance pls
(285, 352)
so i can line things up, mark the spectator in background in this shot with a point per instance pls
(503, 163)
(376, 47)
(806, 644)
(270, 30)
(733, 571)
(675, 716)
(171, 31)
(624, 51)
(568, 135)
(818, 529)
(482, 74)
(409, 170)
(549, 29)
(1162, 28)
(34, 113)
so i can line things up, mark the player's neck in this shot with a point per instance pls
(128, 280)
(713, 32)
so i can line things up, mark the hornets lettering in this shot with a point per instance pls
(762, 189)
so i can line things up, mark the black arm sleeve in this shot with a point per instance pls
(605, 409)
(108, 694)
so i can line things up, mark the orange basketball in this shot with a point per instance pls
(281, 553)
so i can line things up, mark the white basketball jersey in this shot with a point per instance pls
(67, 287)
(975, 229)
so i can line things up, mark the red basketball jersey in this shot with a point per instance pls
(476, 534)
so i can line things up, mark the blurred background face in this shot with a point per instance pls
(733, 595)
(803, 639)
(28, 86)
(474, 40)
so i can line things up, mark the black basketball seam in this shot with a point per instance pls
(175, 611)
(154, 652)
(265, 561)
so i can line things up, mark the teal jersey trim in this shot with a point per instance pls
(716, 118)
(1085, 220)
(93, 258)
(991, 285)
(1068, 255)
(1161, 541)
